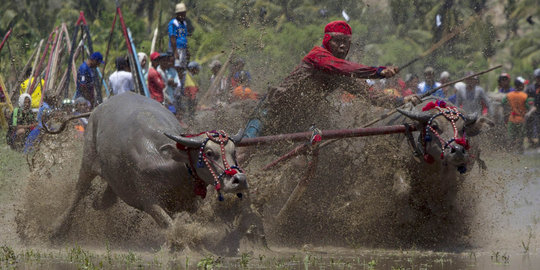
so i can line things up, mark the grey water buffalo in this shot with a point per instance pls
(134, 144)
(443, 152)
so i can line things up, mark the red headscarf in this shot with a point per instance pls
(335, 27)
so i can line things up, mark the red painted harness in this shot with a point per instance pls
(452, 114)
(221, 138)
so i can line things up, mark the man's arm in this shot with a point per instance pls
(323, 60)
(486, 100)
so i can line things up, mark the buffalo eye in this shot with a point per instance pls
(209, 154)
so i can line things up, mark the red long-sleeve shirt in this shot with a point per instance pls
(323, 60)
(300, 99)
(155, 84)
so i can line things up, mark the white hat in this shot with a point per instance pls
(445, 75)
(537, 72)
(22, 97)
(180, 7)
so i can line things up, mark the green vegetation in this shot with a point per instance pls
(273, 35)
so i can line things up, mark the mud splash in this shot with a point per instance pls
(349, 203)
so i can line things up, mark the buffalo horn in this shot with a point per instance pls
(238, 136)
(189, 142)
(415, 115)
(470, 118)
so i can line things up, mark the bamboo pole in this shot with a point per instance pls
(4, 89)
(153, 47)
(20, 77)
(34, 66)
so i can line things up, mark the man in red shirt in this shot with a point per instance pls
(155, 81)
(299, 100)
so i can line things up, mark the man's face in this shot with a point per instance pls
(82, 108)
(181, 16)
(538, 79)
(504, 82)
(428, 76)
(94, 63)
(216, 69)
(339, 45)
(27, 103)
(470, 82)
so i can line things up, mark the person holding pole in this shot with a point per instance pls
(36, 95)
(299, 100)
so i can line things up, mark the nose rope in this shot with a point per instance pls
(452, 114)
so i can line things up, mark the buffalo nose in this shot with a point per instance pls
(457, 149)
(240, 179)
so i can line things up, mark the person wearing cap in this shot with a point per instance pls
(300, 100)
(430, 83)
(448, 91)
(191, 88)
(222, 87)
(86, 79)
(533, 121)
(472, 98)
(518, 103)
(156, 85)
(179, 29)
(236, 68)
(504, 83)
(36, 95)
(121, 80)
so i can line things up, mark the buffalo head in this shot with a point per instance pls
(211, 157)
(445, 131)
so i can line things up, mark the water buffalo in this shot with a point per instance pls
(442, 153)
(134, 144)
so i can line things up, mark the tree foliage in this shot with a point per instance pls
(273, 35)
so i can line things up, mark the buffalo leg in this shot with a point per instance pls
(85, 179)
(160, 216)
(107, 200)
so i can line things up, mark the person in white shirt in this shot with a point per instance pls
(121, 80)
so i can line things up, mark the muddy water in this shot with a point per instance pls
(493, 225)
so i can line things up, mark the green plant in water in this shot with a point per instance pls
(209, 262)
(244, 260)
(371, 264)
(7, 255)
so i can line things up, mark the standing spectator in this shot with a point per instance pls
(236, 68)
(222, 87)
(411, 83)
(86, 79)
(519, 105)
(143, 59)
(81, 106)
(36, 95)
(179, 30)
(533, 121)
(155, 81)
(504, 83)
(191, 88)
(171, 79)
(22, 122)
(242, 91)
(430, 83)
(472, 97)
(121, 80)
(448, 91)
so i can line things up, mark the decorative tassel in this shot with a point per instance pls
(218, 186)
(220, 197)
(427, 138)
(239, 195)
(429, 158)
(442, 155)
(200, 164)
(462, 169)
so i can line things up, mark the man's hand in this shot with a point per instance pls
(415, 99)
(390, 71)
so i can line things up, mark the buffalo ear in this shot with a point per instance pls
(170, 151)
(477, 126)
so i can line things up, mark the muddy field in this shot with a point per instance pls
(346, 219)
